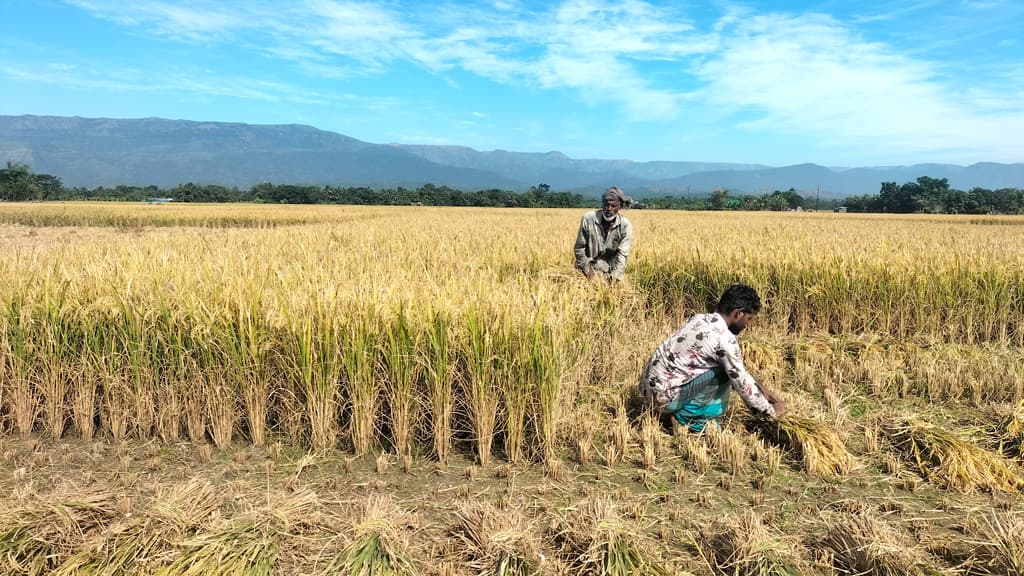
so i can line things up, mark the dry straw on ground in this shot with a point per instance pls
(38, 535)
(862, 543)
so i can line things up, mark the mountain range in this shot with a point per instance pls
(91, 152)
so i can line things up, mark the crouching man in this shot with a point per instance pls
(690, 374)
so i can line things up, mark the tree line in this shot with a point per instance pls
(931, 195)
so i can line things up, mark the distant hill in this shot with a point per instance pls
(92, 152)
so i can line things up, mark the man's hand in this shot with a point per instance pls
(776, 402)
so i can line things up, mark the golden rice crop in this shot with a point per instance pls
(942, 457)
(229, 323)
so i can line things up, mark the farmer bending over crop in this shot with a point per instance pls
(605, 237)
(690, 373)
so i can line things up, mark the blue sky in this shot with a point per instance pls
(840, 83)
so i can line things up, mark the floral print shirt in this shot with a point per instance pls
(702, 344)
(601, 250)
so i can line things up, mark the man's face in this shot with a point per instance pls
(737, 320)
(609, 208)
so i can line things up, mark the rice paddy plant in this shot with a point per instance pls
(743, 544)
(318, 355)
(516, 384)
(544, 358)
(438, 362)
(480, 388)
(358, 363)
(495, 542)
(23, 402)
(939, 456)
(133, 332)
(595, 540)
(398, 353)
(818, 446)
(247, 341)
(244, 547)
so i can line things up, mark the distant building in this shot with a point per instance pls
(159, 200)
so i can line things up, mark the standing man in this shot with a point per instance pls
(690, 374)
(605, 238)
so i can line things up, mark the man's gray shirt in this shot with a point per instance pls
(597, 249)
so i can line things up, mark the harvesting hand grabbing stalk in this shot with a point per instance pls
(605, 238)
(690, 374)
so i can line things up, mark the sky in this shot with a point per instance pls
(837, 83)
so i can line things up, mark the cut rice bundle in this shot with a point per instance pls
(818, 446)
(861, 543)
(35, 538)
(137, 544)
(379, 548)
(941, 457)
(596, 541)
(744, 545)
(246, 546)
(496, 542)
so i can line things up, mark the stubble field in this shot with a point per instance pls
(323, 390)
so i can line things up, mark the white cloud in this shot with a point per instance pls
(810, 75)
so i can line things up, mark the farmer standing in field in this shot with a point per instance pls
(690, 373)
(604, 239)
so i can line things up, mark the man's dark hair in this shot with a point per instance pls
(739, 296)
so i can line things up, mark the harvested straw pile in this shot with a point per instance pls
(34, 538)
(380, 547)
(1001, 547)
(744, 545)
(864, 544)
(819, 447)
(247, 545)
(496, 541)
(1011, 432)
(941, 457)
(138, 543)
(595, 540)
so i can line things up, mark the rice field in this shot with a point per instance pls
(189, 389)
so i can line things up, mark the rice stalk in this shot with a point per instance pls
(516, 385)
(1001, 550)
(398, 355)
(438, 361)
(480, 387)
(357, 361)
